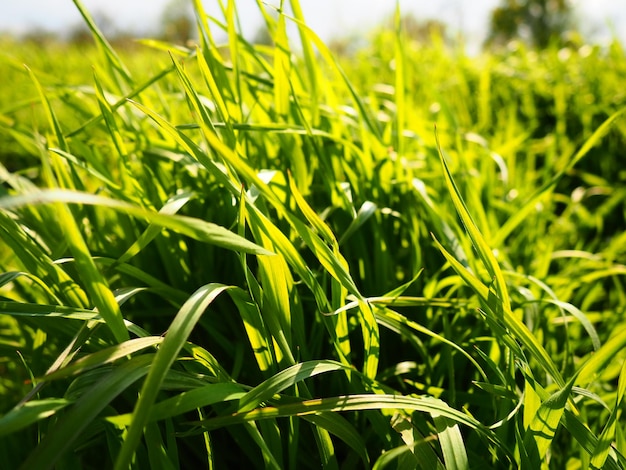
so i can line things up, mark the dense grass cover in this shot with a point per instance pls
(247, 256)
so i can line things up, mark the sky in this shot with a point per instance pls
(329, 18)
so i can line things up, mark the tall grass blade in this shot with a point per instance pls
(174, 341)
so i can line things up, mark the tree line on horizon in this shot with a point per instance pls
(538, 23)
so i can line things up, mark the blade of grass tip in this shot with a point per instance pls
(282, 65)
(327, 55)
(399, 84)
(111, 56)
(176, 336)
(582, 318)
(366, 211)
(104, 356)
(236, 58)
(60, 438)
(172, 206)
(484, 251)
(11, 276)
(310, 62)
(50, 116)
(607, 437)
(398, 291)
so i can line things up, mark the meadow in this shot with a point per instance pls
(238, 255)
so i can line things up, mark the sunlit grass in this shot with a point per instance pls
(269, 256)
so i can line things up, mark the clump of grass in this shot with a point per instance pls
(240, 255)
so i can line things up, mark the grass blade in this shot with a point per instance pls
(175, 339)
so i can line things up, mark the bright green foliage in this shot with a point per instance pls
(237, 255)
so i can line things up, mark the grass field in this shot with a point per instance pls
(237, 255)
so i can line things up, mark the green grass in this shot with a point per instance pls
(269, 256)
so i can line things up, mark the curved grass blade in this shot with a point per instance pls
(586, 438)
(285, 379)
(177, 335)
(60, 438)
(112, 58)
(172, 206)
(30, 412)
(346, 403)
(104, 356)
(594, 366)
(194, 228)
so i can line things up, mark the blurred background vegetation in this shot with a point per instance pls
(537, 23)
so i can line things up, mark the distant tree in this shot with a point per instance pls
(177, 21)
(423, 31)
(40, 37)
(538, 22)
